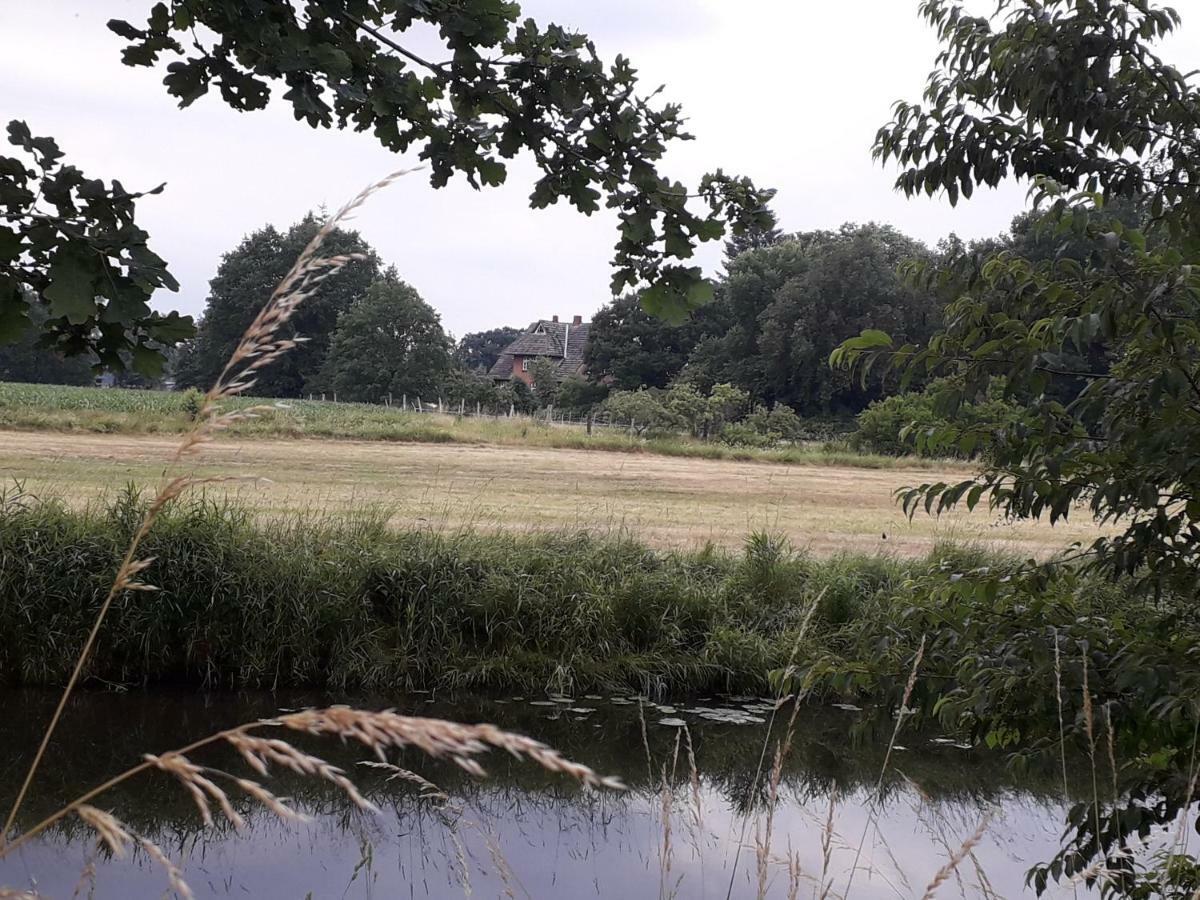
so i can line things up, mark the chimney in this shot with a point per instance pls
(554, 319)
(578, 320)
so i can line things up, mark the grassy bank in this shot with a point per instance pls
(33, 407)
(349, 604)
(352, 604)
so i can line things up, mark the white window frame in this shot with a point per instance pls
(524, 363)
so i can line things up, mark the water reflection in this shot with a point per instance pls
(522, 832)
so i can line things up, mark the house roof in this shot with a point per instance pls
(562, 341)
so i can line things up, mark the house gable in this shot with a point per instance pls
(560, 342)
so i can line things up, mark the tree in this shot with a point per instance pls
(389, 342)
(479, 350)
(515, 395)
(469, 389)
(246, 276)
(74, 263)
(1073, 96)
(787, 306)
(27, 360)
(579, 397)
(629, 348)
(544, 381)
(642, 410)
(684, 401)
(507, 86)
(755, 238)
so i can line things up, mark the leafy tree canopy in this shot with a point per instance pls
(755, 238)
(27, 360)
(246, 276)
(479, 350)
(505, 86)
(1073, 96)
(74, 262)
(388, 342)
(783, 308)
(631, 348)
(544, 381)
(578, 396)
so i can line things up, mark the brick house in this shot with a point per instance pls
(560, 342)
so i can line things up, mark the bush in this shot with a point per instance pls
(192, 403)
(903, 424)
(744, 434)
(643, 409)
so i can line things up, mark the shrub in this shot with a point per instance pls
(193, 402)
(896, 425)
(643, 410)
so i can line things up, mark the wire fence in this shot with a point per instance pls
(477, 410)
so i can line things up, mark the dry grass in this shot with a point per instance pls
(666, 502)
(379, 732)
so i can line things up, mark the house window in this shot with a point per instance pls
(524, 363)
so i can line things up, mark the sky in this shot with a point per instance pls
(789, 92)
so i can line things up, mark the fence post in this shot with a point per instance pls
(511, 409)
(477, 409)
(322, 398)
(589, 423)
(631, 426)
(389, 399)
(462, 403)
(420, 407)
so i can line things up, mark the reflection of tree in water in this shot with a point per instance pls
(105, 733)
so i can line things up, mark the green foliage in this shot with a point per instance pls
(1014, 95)
(642, 410)
(1100, 343)
(75, 264)
(517, 396)
(930, 423)
(506, 86)
(352, 604)
(388, 343)
(468, 388)
(544, 374)
(782, 309)
(630, 348)
(765, 235)
(245, 279)
(726, 404)
(579, 397)
(1120, 443)
(27, 360)
(689, 405)
(479, 350)
(192, 403)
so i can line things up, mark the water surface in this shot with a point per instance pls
(523, 832)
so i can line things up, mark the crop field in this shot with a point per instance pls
(667, 502)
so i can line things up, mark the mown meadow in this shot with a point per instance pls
(65, 408)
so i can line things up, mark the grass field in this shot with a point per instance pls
(664, 501)
(85, 410)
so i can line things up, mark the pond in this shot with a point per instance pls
(523, 832)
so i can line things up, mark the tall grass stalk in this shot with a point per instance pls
(779, 700)
(377, 731)
(260, 346)
(873, 807)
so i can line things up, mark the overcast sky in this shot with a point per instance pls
(789, 92)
